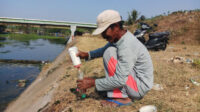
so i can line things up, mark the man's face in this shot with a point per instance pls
(108, 34)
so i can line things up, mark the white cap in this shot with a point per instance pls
(105, 19)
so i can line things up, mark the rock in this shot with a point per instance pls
(157, 87)
(187, 87)
(148, 108)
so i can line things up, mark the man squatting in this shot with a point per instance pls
(127, 63)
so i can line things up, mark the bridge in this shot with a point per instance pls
(7, 20)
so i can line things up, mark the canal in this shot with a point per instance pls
(11, 74)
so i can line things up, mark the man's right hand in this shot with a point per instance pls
(82, 55)
(85, 83)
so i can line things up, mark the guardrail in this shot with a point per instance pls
(46, 22)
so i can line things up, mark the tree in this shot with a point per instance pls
(129, 21)
(134, 15)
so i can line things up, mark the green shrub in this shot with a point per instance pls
(196, 63)
(2, 28)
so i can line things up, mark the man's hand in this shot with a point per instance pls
(82, 55)
(86, 83)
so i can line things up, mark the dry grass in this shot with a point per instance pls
(178, 95)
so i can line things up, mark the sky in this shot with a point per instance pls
(86, 11)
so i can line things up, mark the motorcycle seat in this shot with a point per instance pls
(158, 34)
(138, 31)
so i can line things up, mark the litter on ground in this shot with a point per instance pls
(179, 59)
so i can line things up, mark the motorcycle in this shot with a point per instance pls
(157, 41)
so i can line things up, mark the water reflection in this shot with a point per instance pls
(34, 50)
(9, 76)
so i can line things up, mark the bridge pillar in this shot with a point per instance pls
(73, 29)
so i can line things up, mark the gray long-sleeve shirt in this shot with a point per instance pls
(132, 55)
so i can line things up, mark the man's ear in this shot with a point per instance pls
(117, 27)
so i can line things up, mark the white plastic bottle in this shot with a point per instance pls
(80, 77)
(75, 59)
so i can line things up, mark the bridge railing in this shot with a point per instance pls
(46, 22)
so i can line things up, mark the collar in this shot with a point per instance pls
(121, 39)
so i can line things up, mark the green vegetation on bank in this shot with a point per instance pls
(3, 43)
(28, 37)
(197, 63)
(41, 30)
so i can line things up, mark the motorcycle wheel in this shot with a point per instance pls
(164, 46)
(156, 49)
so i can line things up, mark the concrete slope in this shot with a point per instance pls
(40, 92)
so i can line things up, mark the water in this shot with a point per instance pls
(9, 76)
(33, 50)
(43, 50)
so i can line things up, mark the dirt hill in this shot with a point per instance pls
(184, 26)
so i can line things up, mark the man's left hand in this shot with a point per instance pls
(85, 83)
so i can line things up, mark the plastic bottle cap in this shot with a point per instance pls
(83, 96)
